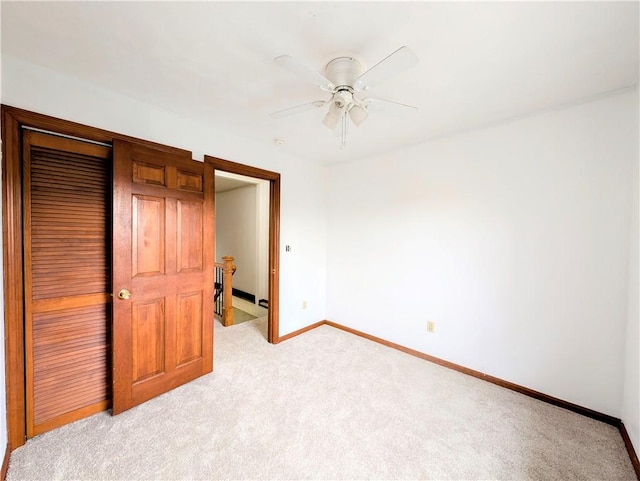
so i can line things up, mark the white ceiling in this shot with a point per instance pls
(225, 184)
(226, 181)
(480, 63)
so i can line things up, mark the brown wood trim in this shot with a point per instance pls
(286, 337)
(72, 416)
(274, 261)
(632, 452)
(486, 377)
(241, 169)
(274, 233)
(74, 129)
(53, 304)
(13, 280)
(5, 463)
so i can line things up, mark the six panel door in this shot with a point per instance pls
(163, 272)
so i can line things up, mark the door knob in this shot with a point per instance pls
(124, 294)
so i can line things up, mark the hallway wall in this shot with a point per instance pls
(237, 236)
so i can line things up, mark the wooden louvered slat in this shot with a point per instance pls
(83, 394)
(52, 170)
(85, 184)
(52, 342)
(67, 280)
(47, 287)
(65, 359)
(67, 369)
(56, 180)
(75, 275)
(59, 341)
(81, 386)
(70, 267)
(74, 252)
(82, 218)
(46, 291)
(58, 201)
(73, 325)
(84, 354)
(71, 374)
(55, 342)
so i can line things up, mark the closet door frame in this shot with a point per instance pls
(13, 121)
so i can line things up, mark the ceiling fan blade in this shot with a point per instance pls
(388, 107)
(291, 64)
(296, 109)
(401, 59)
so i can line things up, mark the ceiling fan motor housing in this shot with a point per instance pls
(343, 72)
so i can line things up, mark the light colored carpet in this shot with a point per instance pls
(328, 405)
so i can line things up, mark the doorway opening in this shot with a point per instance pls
(242, 232)
(259, 235)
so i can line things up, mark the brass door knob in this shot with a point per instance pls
(124, 294)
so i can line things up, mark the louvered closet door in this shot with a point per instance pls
(67, 258)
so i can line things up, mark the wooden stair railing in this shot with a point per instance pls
(223, 287)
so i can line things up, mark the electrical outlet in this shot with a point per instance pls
(304, 304)
(431, 326)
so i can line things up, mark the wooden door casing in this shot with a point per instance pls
(163, 255)
(273, 178)
(67, 273)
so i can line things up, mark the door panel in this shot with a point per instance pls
(148, 235)
(163, 245)
(67, 279)
(189, 327)
(190, 253)
(147, 325)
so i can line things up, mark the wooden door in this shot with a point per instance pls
(67, 272)
(163, 256)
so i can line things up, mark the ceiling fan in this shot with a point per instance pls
(344, 81)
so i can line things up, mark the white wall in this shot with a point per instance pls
(303, 184)
(513, 239)
(631, 400)
(236, 234)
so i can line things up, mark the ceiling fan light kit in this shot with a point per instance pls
(358, 114)
(343, 80)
